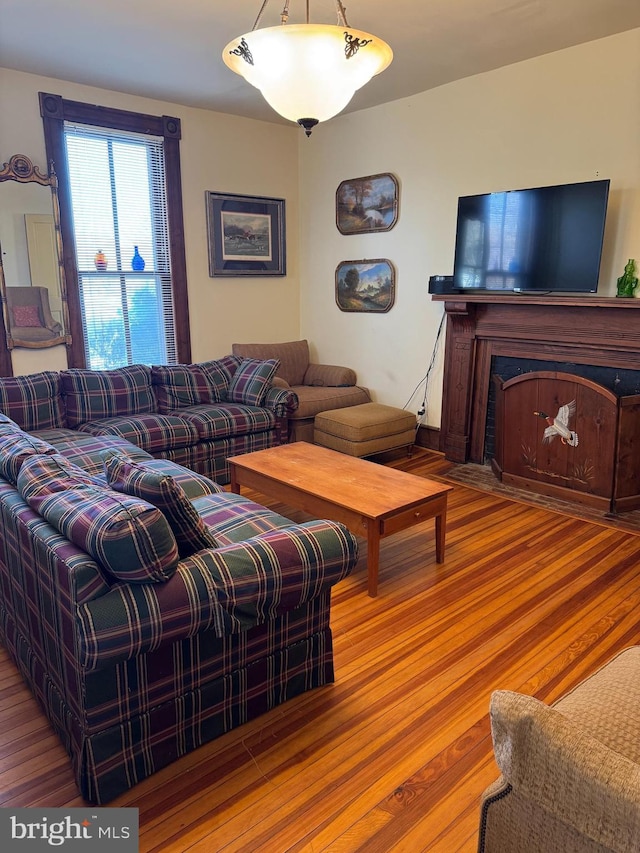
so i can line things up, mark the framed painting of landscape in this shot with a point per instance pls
(367, 204)
(246, 235)
(366, 285)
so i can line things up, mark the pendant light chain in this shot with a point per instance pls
(260, 14)
(284, 15)
(342, 14)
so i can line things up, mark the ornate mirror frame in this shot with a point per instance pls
(21, 169)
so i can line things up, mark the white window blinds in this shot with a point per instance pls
(118, 200)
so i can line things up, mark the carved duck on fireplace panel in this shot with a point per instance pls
(560, 425)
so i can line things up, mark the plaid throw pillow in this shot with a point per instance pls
(15, 447)
(128, 537)
(251, 381)
(161, 490)
(33, 401)
(194, 485)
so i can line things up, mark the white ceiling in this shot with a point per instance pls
(172, 50)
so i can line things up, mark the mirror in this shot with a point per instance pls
(32, 281)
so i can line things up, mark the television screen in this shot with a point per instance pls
(543, 239)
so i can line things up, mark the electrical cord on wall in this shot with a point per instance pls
(425, 379)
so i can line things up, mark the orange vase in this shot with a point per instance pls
(100, 260)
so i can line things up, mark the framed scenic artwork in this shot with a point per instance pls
(368, 204)
(246, 235)
(365, 285)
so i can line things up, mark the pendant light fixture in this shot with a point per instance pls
(307, 72)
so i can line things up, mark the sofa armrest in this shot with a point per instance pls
(279, 571)
(548, 758)
(281, 401)
(225, 590)
(329, 376)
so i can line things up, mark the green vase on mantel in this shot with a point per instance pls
(628, 282)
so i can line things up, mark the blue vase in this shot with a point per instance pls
(137, 261)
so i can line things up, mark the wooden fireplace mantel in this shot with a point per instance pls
(581, 330)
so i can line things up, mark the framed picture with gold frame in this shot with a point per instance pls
(365, 205)
(366, 285)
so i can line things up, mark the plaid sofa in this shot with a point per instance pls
(194, 414)
(148, 610)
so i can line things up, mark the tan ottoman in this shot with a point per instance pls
(366, 429)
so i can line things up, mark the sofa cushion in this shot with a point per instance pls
(15, 447)
(194, 485)
(225, 420)
(292, 355)
(161, 490)
(251, 381)
(235, 518)
(180, 385)
(127, 536)
(91, 395)
(153, 433)
(88, 451)
(313, 400)
(7, 425)
(33, 401)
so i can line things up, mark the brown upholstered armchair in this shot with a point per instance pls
(30, 318)
(571, 772)
(319, 387)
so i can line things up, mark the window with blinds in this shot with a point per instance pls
(119, 208)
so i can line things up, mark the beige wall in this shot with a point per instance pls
(218, 152)
(568, 116)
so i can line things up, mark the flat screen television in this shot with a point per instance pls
(546, 239)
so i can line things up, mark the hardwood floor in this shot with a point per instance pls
(394, 755)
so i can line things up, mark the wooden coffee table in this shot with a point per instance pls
(370, 499)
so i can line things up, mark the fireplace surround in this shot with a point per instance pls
(585, 330)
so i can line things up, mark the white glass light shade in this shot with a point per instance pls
(303, 71)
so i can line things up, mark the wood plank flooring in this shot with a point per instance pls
(395, 754)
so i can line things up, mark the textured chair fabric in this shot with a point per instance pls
(318, 387)
(30, 315)
(571, 772)
(292, 355)
(366, 429)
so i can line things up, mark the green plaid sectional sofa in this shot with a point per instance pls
(149, 610)
(194, 414)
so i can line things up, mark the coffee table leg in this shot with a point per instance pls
(373, 556)
(234, 485)
(441, 527)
